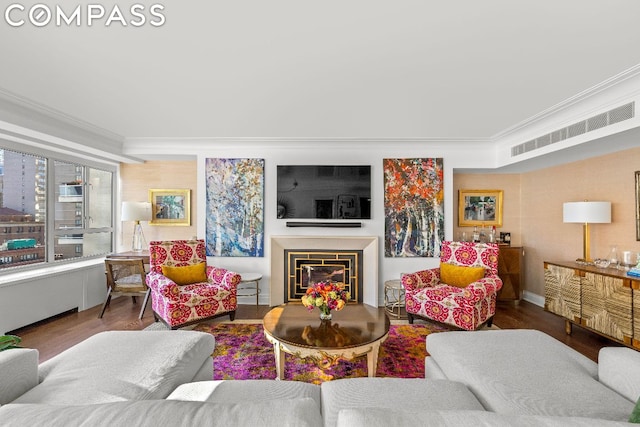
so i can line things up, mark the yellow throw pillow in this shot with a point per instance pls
(187, 274)
(461, 277)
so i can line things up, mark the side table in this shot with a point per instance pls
(394, 297)
(249, 282)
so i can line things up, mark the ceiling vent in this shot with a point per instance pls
(619, 114)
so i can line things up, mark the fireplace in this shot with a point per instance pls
(303, 268)
(363, 251)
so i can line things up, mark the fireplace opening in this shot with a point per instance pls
(303, 268)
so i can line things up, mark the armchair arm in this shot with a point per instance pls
(163, 285)
(223, 277)
(420, 279)
(483, 288)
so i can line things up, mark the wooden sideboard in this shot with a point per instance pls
(511, 271)
(599, 299)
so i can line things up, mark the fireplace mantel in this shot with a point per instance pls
(367, 244)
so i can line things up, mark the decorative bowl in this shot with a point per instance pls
(601, 263)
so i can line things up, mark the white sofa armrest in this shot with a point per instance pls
(619, 369)
(19, 367)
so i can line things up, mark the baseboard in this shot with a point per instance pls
(533, 298)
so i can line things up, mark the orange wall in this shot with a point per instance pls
(534, 216)
(135, 182)
(509, 184)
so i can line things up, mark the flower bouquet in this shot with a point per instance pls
(326, 296)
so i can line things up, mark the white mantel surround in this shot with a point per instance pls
(367, 244)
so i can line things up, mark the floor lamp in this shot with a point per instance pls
(586, 213)
(136, 211)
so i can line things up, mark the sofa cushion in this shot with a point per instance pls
(186, 275)
(228, 391)
(379, 417)
(526, 372)
(460, 276)
(152, 413)
(619, 369)
(393, 393)
(121, 365)
(19, 368)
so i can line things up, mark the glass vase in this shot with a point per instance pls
(613, 256)
(325, 313)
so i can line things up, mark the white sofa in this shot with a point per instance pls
(509, 378)
(110, 367)
(527, 372)
(124, 377)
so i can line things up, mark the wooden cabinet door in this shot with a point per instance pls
(607, 306)
(562, 291)
(510, 270)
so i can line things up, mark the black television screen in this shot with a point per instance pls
(324, 192)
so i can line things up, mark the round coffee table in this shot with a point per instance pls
(356, 330)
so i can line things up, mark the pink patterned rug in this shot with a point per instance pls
(243, 353)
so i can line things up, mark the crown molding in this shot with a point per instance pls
(61, 118)
(194, 145)
(562, 106)
(29, 122)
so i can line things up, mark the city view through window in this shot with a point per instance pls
(81, 221)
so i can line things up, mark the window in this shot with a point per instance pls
(21, 191)
(38, 191)
(83, 224)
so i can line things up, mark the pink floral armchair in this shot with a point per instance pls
(462, 307)
(212, 292)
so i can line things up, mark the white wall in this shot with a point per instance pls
(329, 153)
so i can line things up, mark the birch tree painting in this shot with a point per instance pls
(235, 207)
(413, 207)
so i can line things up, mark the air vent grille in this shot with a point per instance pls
(597, 122)
(619, 114)
(577, 129)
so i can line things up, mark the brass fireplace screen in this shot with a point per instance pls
(306, 267)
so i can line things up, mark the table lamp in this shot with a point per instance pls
(586, 213)
(136, 211)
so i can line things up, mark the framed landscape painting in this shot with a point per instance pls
(170, 207)
(479, 207)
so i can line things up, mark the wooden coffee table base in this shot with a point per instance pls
(355, 331)
(324, 358)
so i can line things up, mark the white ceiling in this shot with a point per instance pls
(331, 68)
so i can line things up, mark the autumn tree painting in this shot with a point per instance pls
(413, 207)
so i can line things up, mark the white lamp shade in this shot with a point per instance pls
(136, 211)
(587, 212)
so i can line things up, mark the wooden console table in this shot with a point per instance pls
(603, 300)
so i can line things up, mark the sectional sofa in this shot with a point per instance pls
(155, 378)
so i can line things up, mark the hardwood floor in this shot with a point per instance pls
(530, 316)
(54, 335)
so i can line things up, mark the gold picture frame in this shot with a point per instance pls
(170, 206)
(479, 207)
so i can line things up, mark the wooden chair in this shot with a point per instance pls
(126, 277)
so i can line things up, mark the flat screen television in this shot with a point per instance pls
(324, 192)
